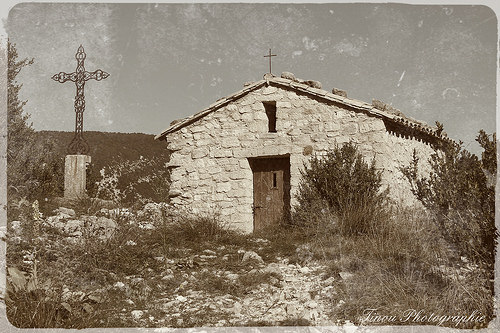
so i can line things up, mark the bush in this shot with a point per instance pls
(457, 191)
(340, 188)
(132, 182)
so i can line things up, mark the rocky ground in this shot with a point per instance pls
(292, 294)
(213, 284)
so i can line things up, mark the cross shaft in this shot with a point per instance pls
(269, 56)
(78, 145)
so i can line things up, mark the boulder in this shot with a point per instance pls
(274, 269)
(345, 275)
(137, 314)
(313, 84)
(378, 104)
(288, 76)
(64, 210)
(339, 92)
(252, 256)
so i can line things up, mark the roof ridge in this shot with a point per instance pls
(302, 85)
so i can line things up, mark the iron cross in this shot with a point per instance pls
(78, 145)
(269, 56)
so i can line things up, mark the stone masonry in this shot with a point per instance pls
(210, 171)
(75, 175)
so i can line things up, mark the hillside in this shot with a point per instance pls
(105, 147)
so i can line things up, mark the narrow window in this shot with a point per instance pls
(274, 180)
(271, 116)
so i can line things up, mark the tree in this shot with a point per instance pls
(33, 170)
(462, 199)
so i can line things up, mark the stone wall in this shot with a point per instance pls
(210, 169)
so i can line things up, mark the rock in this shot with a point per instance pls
(87, 308)
(304, 270)
(378, 104)
(64, 210)
(312, 304)
(130, 243)
(329, 281)
(16, 226)
(129, 302)
(345, 275)
(233, 277)
(237, 307)
(168, 277)
(72, 226)
(147, 226)
(179, 321)
(273, 268)
(204, 257)
(274, 281)
(252, 256)
(107, 226)
(174, 193)
(209, 252)
(137, 314)
(136, 280)
(119, 285)
(292, 310)
(96, 298)
(313, 84)
(181, 298)
(339, 92)
(66, 306)
(101, 226)
(288, 76)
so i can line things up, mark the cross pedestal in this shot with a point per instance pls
(75, 176)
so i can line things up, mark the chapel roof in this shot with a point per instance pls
(396, 120)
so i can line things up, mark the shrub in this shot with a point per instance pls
(457, 191)
(340, 187)
(132, 182)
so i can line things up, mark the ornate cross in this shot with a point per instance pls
(78, 145)
(269, 56)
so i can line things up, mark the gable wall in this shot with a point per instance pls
(210, 170)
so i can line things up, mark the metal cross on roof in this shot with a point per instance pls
(269, 56)
(78, 145)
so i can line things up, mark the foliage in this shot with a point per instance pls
(458, 193)
(33, 170)
(134, 182)
(340, 187)
(406, 265)
(108, 148)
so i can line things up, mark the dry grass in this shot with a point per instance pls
(402, 264)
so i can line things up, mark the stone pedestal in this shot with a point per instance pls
(75, 176)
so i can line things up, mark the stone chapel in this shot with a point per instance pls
(241, 157)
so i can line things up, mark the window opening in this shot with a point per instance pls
(274, 180)
(271, 116)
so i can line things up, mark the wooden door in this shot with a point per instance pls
(271, 190)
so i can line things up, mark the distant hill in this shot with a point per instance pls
(107, 147)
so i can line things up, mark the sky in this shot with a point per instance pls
(168, 61)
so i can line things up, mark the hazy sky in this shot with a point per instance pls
(169, 61)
